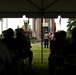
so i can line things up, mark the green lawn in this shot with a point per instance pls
(39, 67)
(37, 53)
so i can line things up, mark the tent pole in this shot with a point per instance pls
(6, 23)
(42, 2)
(2, 25)
(41, 40)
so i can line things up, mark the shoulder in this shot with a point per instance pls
(3, 47)
(2, 44)
(68, 46)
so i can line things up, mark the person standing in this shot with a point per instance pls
(46, 39)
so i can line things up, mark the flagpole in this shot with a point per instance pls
(60, 26)
(60, 22)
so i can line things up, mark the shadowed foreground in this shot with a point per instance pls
(39, 69)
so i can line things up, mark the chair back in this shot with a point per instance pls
(70, 60)
(15, 56)
(2, 63)
(59, 53)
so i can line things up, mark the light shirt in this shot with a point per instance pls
(46, 36)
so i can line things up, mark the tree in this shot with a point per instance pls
(71, 24)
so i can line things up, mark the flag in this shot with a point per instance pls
(59, 20)
(54, 27)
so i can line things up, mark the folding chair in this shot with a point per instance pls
(70, 64)
(2, 67)
(16, 61)
(58, 61)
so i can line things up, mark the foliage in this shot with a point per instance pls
(71, 24)
(33, 39)
(68, 35)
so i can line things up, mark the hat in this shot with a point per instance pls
(26, 21)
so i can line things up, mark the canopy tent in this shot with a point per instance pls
(37, 8)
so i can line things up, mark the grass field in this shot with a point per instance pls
(39, 67)
(37, 53)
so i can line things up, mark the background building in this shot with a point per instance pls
(45, 24)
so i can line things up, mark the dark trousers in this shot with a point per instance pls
(30, 57)
(51, 65)
(46, 43)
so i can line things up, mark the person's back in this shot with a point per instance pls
(57, 44)
(24, 45)
(57, 48)
(20, 43)
(70, 55)
(71, 47)
(4, 53)
(8, 39)
(6, 59)
(60, 42)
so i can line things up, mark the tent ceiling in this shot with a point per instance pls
(38, 8)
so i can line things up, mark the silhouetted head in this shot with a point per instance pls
(4, 33)
(10, 32)
(62, 34)
(74, 33)
(19, 32)
(56, 35)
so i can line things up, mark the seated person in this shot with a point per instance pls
(23, 46)
(4, 54)
(70, 49)
(9, 38)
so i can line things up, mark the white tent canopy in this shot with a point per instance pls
(37, 8)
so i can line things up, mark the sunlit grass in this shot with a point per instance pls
(37, 53)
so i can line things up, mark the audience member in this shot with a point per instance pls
(52, 54)
(57, 46)
(6, 59)
(24, 46)
(70, 54)
(9, 39)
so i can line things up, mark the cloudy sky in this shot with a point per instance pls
(14, 22)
